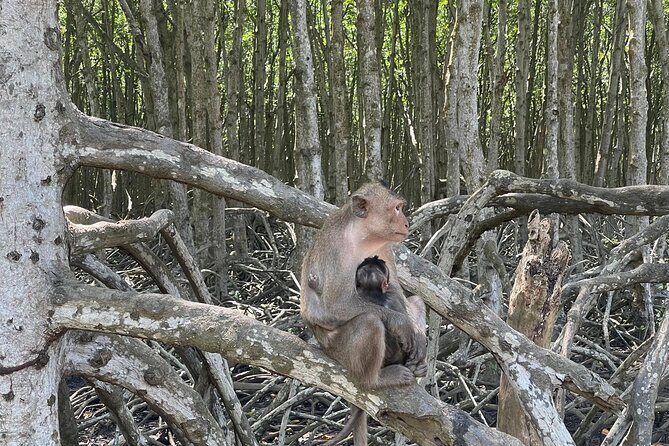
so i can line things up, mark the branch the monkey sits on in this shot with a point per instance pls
(379, 345)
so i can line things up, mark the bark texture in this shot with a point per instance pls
(429, 421)
(33, 244)
(370, 85)
(533, 307)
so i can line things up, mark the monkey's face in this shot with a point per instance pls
(396, 222)
(383, 213)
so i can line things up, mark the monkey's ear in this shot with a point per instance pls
(385, 285)
(359, 206)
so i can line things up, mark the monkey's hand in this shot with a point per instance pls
(417, 357)
(419, 370)
(400, 326)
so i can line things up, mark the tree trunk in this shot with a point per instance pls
(638, 163)
(279, 156)
(259, 78)
(159, 93)
(521, 83)
(565, 112)
(207, 130)
(32, 235)
(657, 16)
(550, 168)
(604, 153)
(107, 196)
(465, 51)
(424, 97)
(565, 66)
(341, 125)
(307, 143)
(497, 85)
(533, 307)
(370, 89)
(591, 119)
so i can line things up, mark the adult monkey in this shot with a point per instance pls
(350, 329)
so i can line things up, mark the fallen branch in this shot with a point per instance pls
(133, 365)
(408, 409)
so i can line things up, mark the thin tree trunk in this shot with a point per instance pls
(233, 122)
(657, 16)
(591, 116)
(462, 116)
(565, 66)
(452, 148)
(180, 71)
(497, 87)
(160, 95)
(279, 154)
(391, 107)
(107, 197)
(638, 163)
(370, 89)
(615, 176)
(323, 101)
(88, 75)
(234, 81)
(307, 143)
(424, 97)
(341, 124)
(207, 129)
(533, 135)
(259, 70)
(551, 106)
(465, 53)
(604, 153)
(521, 84)
(565, 112)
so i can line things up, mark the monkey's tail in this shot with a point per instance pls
(356, 423)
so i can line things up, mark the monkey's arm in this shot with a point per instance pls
(313, 310)
(417, 362)
(338, 305)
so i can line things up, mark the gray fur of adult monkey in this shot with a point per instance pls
(350, 329)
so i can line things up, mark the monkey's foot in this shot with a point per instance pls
(395, 375)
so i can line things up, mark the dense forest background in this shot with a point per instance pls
(431, 96)
(235, 60)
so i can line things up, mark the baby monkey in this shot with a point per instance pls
(371, 282)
